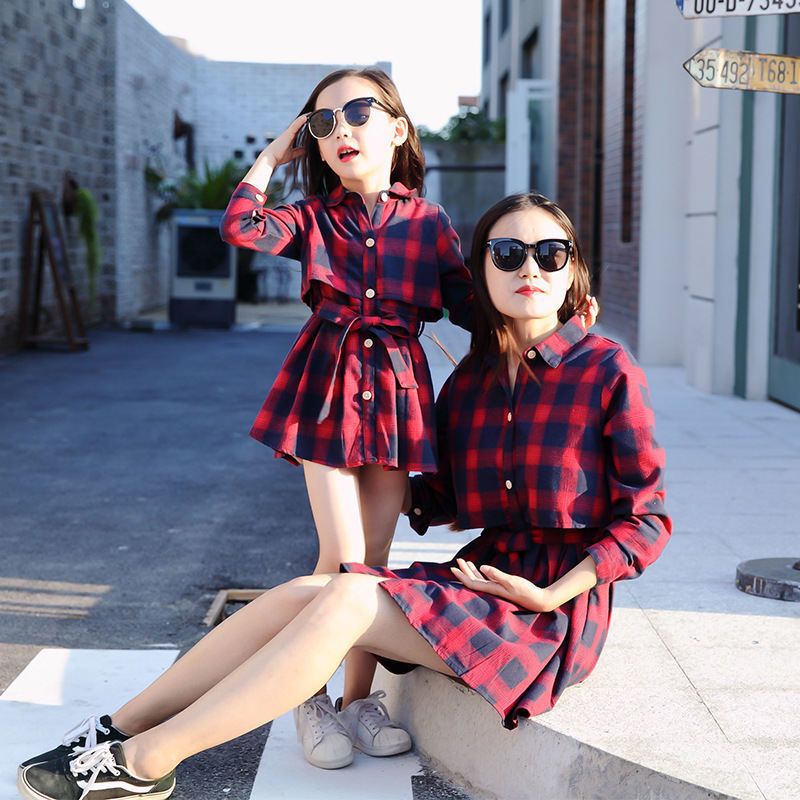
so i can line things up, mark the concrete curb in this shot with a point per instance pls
(463, 739)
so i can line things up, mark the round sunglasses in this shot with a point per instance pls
(509, 254)
(322, 122)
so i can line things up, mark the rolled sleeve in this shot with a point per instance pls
(247, 222)
(640, 526)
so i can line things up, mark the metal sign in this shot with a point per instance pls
(695, 9)
(737, 69)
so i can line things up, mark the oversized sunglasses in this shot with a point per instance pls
(509, 254)
(322, 122)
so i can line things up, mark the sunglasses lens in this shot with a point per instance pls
(507, 254)
(551, 255)
(356, 112)
(320, 123)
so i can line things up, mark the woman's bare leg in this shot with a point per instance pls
(217, 654)
(381, 495)
(350, 611)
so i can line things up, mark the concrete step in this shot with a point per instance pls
(635, 730)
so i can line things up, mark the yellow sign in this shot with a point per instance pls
(738, 69)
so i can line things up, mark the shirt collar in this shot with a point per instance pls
(397, 190)
(560, 342)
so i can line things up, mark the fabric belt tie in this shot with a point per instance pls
(384, 328)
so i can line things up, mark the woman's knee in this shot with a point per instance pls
(352, 591)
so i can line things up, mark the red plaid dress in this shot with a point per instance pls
(563, 466)
(355, 387)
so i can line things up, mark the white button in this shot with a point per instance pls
(260, 198)
(509, 484)
(418, 512)
(367, 395)
(370, 242)
(368, 342)
(384, 197)
(370, 293)
(531, 354)
(508, 416)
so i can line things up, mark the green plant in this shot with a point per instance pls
(86, 211)
(472, 126)
(212, 189)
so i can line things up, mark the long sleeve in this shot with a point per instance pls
(247, 223)
(454, 276)
(433, 500)
(640, 526)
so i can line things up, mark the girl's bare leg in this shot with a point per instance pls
(350, 611)
(335, 504)
(381, 495)
(217, 654)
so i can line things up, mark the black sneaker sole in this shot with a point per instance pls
(30, 793)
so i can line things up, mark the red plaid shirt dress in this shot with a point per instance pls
(355, 387)
(563, 466)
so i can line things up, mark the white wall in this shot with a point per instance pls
(665, 175)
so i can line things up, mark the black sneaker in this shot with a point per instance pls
(90, 733)
(98, 774)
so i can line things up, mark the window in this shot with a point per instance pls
(529, 54)
(503, 91)
(487, 36)
(505, 15)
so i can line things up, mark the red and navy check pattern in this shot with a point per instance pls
(564, 466)
(355, 388)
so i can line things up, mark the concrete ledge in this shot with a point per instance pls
(635, 730)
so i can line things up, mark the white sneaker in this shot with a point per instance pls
(372, 731)
(326, 742)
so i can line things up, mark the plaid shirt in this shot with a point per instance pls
(355, 388)
(407, 252)
(571, 449)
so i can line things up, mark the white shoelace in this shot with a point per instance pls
(322, 716)
(98, 760)
(88, 729)
(373, 713)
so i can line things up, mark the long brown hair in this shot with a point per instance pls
(491, 334)
(408, 165)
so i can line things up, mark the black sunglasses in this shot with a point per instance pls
(509, 254)
(322, 122)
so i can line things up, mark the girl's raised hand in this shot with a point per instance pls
(282, 150)
(513, 588)
(589, 311)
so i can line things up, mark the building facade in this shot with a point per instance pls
(686, 197)
(96, 91)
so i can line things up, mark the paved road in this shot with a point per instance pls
(131, 493)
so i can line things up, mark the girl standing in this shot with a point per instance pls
(353, 401)
(547, 442)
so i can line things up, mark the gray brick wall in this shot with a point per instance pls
(94, 91)
(56, 114)
(155, 78)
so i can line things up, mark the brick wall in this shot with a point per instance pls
(56, 114)
(580, 104)
(154, 79)
(619, 294)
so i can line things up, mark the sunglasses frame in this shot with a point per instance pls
(371, 101)
(527, 247)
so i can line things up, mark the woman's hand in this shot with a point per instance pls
(282, 150)
(513, 588)
(589, 311)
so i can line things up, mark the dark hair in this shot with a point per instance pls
(408, 166)
(491, 334)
